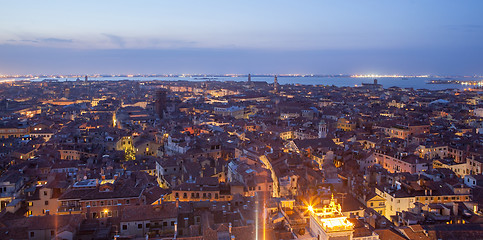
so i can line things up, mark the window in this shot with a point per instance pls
(165, 224)
(140, 226)
(46, 202)
(127, 201)
(32, 234)
(45, 193)
(31, 204)
(147, 225)
(172, 223)
(124, 227)
(102, 203)
(176, 195)
(185, 195)
(52, 233)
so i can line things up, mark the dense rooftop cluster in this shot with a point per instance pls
(237, 160)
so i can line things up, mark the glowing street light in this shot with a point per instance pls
(310, 208)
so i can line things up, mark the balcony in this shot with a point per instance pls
(69, 209)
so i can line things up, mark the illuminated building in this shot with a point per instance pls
(329, 222)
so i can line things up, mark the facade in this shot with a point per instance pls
(233, 111)
(345, 125)
(401, 200)
(10, 185)
(98, 201)
(145, 220)
(196, 192)
(400, 162)
(377, 203)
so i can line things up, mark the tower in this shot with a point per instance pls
(86, 78)
(249, 82)
(275, 84)
(322, 129)
(160, 102)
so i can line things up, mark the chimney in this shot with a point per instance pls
(455, 209)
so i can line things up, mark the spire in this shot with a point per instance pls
(275, 84)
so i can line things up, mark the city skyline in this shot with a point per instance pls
(320, 37)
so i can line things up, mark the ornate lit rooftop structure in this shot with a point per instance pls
(329, 222)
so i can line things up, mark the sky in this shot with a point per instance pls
(250, 36)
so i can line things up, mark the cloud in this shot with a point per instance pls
(118, 40)
(42, 40)
(54, 40)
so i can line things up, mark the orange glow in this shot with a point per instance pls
(311, 209)
(331, 219)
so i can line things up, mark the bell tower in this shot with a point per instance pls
(322, 129)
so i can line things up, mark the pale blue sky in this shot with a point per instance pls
(373, 36)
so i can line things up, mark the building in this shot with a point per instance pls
(401, 162)
(345, 125)
(205, 189)
(233, 111)
(322, 129)
(160, 102)
(95, 200)
(157, 219)
(329, 223)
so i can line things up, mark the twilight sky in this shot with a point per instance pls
(220, 36)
